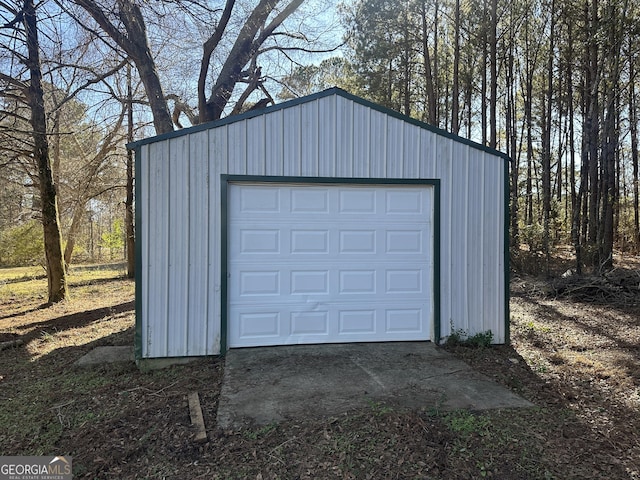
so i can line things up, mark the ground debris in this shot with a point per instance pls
(617, 286)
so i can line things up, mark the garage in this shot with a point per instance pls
(329, 263)
(323, 219)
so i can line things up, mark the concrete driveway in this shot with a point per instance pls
(271, 384)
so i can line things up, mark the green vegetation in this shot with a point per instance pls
(113, 239)
(31, 282)
(465, 422)
(461, 338)
(261, 432)
(22, 245)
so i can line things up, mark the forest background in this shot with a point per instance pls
(552, 84)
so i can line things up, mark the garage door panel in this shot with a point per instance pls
(357, 241)
(258, 283)
(259, 241)
(349, 283)
(259, 324)
(304, 200)
(399, 202)
(404, 241)
(258, 200)
(325, 264)
(356, 281)
(357, 322)
(405, 320)
(309, 282)
(402, 281)
(319, 323)
(309, 323)
(357, 201)
(309, 241)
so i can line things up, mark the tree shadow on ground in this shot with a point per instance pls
(71, 321)
(604, 326)
(25, 312)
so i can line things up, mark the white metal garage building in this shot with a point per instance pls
(324, 219)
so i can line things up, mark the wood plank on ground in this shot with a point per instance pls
(197, 420)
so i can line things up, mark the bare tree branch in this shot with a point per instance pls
(209, 47)
(243, 50)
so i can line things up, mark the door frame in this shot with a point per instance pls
(226, 179)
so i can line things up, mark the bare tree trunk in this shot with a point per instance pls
(610, 137)
(130, 232)
(56, 273)
(575, 198)
(528, 118)
(251, 36)
(609, 184)
(436, 59)
(633, 121)
(428, 73)
(406, 67)
(455, 101)
(512, 136)
(493, 89)
(78, 213)
(546, 145)
(136, 45)
(483, 87)
(592, 129)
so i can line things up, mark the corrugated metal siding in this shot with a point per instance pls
(330, 136)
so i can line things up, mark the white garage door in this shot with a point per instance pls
(310, 263)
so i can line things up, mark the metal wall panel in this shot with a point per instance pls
(178, 248)
(346, 163)
(361, 158)
(326, 136)
(196, 322)
(327, 131)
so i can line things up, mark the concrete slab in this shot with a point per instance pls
(107, 354)
(271, 384)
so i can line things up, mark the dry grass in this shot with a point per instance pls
(579, 362)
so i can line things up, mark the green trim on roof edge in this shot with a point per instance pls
(310, 98)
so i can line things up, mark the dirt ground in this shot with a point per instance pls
(575, 353)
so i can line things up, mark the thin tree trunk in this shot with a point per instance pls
(546, 146)
(528, 118)
(611, 136)
(483, 87)
(428, 73)
(406, 80)
(493, 53)
(76, 221)
(575, 200)
(608, 192)
(592, 130)
(633, 121)
(455, 107)
(129, 227)
(56, 273)
(512, 136)
(436, 64)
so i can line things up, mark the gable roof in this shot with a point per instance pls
(310, 98)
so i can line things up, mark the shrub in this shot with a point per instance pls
(460, 337)
(22, 245)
